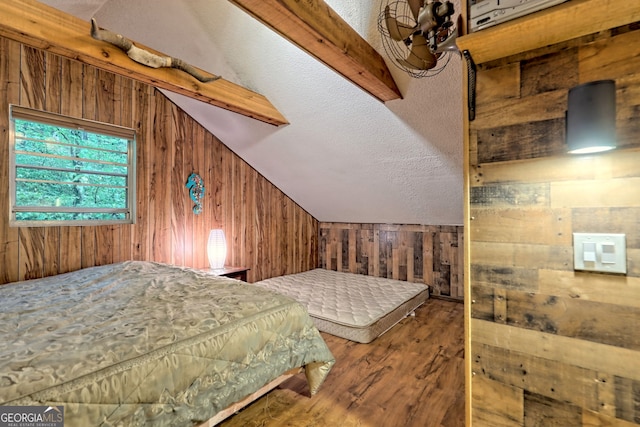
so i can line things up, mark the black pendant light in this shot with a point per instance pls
(591, 117)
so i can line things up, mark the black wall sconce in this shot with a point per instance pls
(591, 117)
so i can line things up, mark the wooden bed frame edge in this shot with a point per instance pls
(235, 407)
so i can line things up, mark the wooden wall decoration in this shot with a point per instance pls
(548, 345)
(416, 253)
(266, 231)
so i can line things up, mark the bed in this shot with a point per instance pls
(353, 306)
(140, 343)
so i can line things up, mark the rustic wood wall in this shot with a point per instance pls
(265, 230)
(551, 346)
(417, 253)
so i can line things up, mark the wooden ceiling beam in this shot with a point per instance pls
(41, 26)
(314, 27)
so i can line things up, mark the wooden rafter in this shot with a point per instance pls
(317, 29)
(41, 26)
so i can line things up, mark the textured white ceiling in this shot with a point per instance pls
(345, 156)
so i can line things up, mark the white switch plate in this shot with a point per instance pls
(613, 259)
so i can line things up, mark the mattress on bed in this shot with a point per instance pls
(352, 306)
(140, 343)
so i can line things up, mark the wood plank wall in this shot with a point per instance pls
(551, 346)
(266, 231)
(427, 254)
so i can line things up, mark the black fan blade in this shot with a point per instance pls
(397, 30)
(420, 57)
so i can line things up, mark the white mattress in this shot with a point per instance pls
(352, 306)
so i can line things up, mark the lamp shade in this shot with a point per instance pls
(591, 117)
(217, 248)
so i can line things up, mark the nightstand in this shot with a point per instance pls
(239, 273)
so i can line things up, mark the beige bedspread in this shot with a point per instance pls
(140, 343)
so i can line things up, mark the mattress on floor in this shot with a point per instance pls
(352, 306)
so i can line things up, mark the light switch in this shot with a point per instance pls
(608, 253)
(600, 252)
(589, 251)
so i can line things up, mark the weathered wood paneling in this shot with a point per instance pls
(417, 253)
(266, 231)
(551, 346)
(9, 90)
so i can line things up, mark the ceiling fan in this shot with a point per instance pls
(418, 34)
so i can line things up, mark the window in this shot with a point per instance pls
(68, 171)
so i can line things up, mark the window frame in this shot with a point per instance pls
(59, 120)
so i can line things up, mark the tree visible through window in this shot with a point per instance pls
(70, 171)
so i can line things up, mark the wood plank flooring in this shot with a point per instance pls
(412, 376)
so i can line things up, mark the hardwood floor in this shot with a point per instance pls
(412, 376)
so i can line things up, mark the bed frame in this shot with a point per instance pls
(238, 406)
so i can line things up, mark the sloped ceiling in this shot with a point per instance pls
(345, 156)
